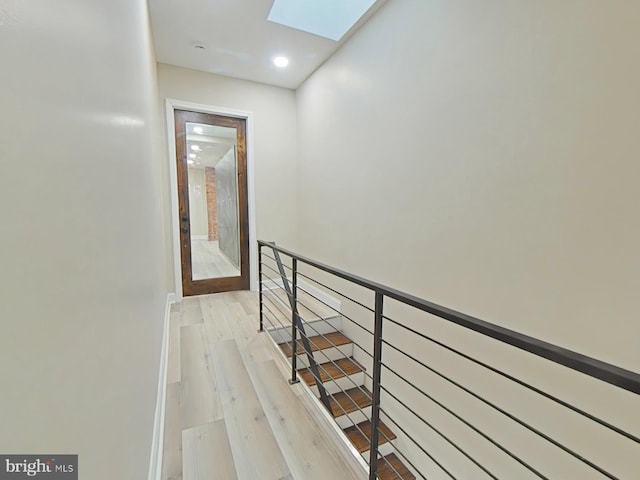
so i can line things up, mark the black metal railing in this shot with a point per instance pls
(427, 402)
(298, 326)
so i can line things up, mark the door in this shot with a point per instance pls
(211, 152)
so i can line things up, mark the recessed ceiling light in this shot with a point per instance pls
(281, 62)
(198, 130)
(190, 162)
(192, 155)
(195, 148)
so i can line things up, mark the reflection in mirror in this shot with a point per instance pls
(213, 201)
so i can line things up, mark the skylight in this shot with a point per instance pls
(326, 18)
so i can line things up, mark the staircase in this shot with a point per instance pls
(349, 404)
(344, 380)
(345, 387)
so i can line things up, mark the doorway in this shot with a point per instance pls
(211, 167)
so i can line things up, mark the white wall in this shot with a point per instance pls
(483, 155)
(274, 112)
(82, 288)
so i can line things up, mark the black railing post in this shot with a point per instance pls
(313, 365)
(294, 323)
(596, 369)
(260, 286)
(375, 400)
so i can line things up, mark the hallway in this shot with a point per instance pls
(479, 155)
(230, 411)
(208, 262)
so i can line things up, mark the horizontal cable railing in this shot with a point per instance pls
(439, 423)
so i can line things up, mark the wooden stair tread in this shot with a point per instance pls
(361, 436)
(318, 342)
(385, 472)
(332, 370)
(350, 400)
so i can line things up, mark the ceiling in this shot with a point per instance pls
(238, 40)
(207, 144)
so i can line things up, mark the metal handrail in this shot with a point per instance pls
(297, 326)
(612, 374)
(608, 373)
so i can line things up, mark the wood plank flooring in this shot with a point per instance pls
(317, 342)
(230, 412)
(360, 435)
(332, 370)
(391, 464)
(350, 400)
(207, 453)
(207, 261)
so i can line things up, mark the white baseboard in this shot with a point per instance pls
(155, 461)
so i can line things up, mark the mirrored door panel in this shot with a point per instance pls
(214, 224)
(213, 207)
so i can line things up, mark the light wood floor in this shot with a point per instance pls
(208, 262)
(230, 412)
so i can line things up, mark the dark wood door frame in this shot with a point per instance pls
(224, 284)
